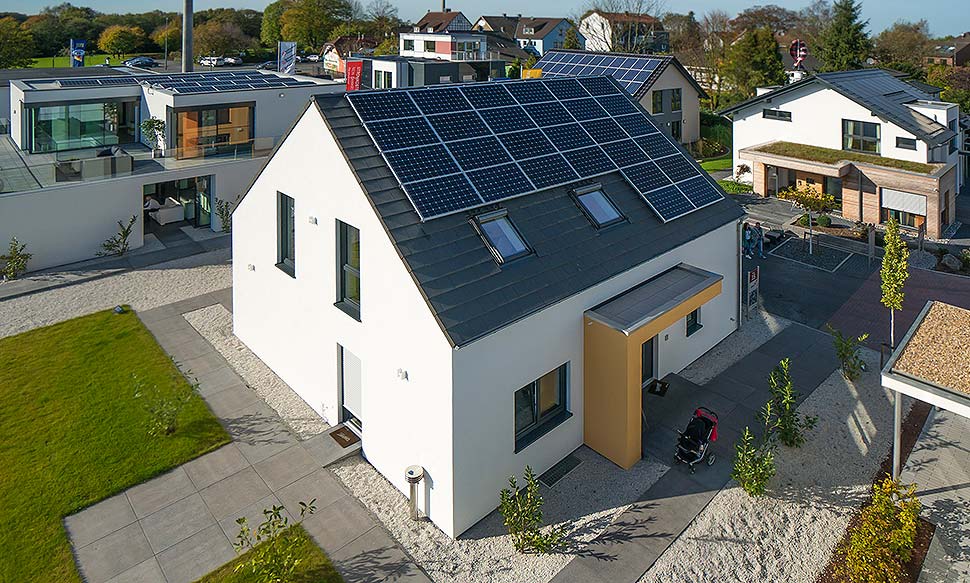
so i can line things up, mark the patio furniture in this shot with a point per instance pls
(170, 212)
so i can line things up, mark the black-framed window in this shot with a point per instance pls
(598, 207)
(658, 102)
(503, 239)
(694, 322)
(776, 114)
(429, 46)
(409, 44)
(860, 136)
(676, 129)
(348, 269)
(905, 143)
(676, 99)
(540, 406)
(286, 234)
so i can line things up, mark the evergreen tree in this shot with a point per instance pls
(845, 43)
(571, 41)
(754, 61)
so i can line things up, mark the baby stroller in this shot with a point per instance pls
(694, 440)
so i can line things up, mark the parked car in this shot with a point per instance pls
(267, 66)
(211, 61)
(313, 58)
(233, 61)
(140, 62)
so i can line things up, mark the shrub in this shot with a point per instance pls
(741, 170)
(522, 511)
(117, 244)
(754, 465)
(164, 405)
(965, 258)
(847, 351)
(732, 187)
(15, 261)
(274, 558)
(787, 424)
(224, 210)
(824, 221)
(883, 540)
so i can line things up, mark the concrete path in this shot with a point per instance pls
(179, 526)
(631, 545)
(940, 467)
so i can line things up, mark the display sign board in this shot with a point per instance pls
(287, 57)
(332, 61)
(77, 52)
(355, 69)
(754, 277)
(531, 73)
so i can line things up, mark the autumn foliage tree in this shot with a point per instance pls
(121, 40)
(811, 201)
(16, 45)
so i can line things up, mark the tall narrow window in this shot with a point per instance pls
(676, 99)
(694, 322)
(540, 406)
(658, 102)
(348, 265)
(286, 234)
(676, 129)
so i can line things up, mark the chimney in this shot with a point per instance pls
(187, 62)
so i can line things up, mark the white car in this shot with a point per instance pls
(313, 58)
(233, 61)
(212, 61)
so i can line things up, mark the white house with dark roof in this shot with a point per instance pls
(489, 277)
(539, 35)
(880, 145)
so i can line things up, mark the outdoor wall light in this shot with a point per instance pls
(402, 374)
(313, 220)
(251, 267)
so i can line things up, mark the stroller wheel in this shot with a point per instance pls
(711, 459)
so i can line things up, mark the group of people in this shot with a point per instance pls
(753, 240)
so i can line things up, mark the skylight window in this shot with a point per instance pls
(503, 239)
(598, 207)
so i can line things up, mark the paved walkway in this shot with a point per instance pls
(940, 467)
(181, 525)
(631, 545)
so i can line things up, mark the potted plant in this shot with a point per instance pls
(154, 131)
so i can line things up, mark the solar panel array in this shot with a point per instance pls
(457, 148)
(183, 83)
(631, 72)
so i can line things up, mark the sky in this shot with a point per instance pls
(945, 17)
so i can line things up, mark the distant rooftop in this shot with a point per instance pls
(177, 83)
(8, 75)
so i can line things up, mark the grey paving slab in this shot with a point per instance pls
(113, 554)
(231, 495)
(253, 514)
(204, 363)
(159, 492)
(321, 485)
(212, 467)
(99, 520)
(232, 399)
(197, 555)
(145, 572)
(371, 558)
(730, 389)
(325, 449)
(212, 382)
(335, 525)
(176, 522)
(286, 467)
(258, 431)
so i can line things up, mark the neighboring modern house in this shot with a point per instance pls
(446, 21)
(504, 25)
(660, 83)
(876, 143)
(623, 31)
(539, 35)
(445, 46)
(76, 161)
(395, 71)
(478, 297)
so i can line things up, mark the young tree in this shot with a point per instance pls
(893, 274)
(754, 61)
(121, 40)
(16, 45)
(903, 42)
(845, 43)
(811, 201)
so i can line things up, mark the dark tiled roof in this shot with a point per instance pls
(877, 90)
(504, 24)
(469, 293)
(540, 27)
(437, 21)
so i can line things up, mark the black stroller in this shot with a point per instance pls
(694, 440)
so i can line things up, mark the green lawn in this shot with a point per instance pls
(314, 568)
(89, 60)
(717, 164)
(831, 156)
(71, 433)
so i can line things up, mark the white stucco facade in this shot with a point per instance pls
(598, 33)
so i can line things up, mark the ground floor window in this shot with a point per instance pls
(647, 375)
(540, 406)
(73, 126)
(833, 186)
(676, 130)
(162, 200)
(694, 321)
(904, 219)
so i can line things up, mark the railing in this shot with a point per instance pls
(87, 166)
(474, 56)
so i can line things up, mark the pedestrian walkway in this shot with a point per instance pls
(631, 545)
(179, 526)
(940, 467)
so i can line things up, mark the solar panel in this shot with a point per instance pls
(371, 106)
(440, 100)
(548, 171)
(583, 109)
(668, 202)
(646, 177)
(530, 92)
(676, 167)
(568, 137)
(700, 191)
(506, 119)
(78, 83)
(589, 161)
(656, 145)
(392, 134)
(441, 196)
(421, 163)
(624, 153)
(635, 125)
(491, 95)
(603, 130)
(478, 153)
(458, 126)
(617, 105)
(548, 114)
(498, 182)
(633, 72)
(566, 89)
(527, 144)
(598, 86)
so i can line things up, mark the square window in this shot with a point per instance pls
(409, 44)
(599, 208)
(540, 406)
(286, 234)
(694, 322)
(503, 239)
(429, 46)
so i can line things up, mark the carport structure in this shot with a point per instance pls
(932, 364)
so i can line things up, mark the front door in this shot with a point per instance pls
(350, 388)
(771, 177)
(647, 368)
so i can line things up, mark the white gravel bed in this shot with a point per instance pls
(214, 323)
(789, 535)
(143, 289)
(586, 501)
(922, 259)
(754, 332)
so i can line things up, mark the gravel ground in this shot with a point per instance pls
(822, 256)
(922, 259)
(143, 289)
(214, 323)
(586, 501)
(753, 333)
(789, 534)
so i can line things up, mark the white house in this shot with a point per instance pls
(77, 160)
(470, 302)
(538, 35)
(659, 82)
(881, 146)
(623, 31)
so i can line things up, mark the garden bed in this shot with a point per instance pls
(314, 567)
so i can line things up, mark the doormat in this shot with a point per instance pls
(559, 471)
(659, 388)
(344, 436)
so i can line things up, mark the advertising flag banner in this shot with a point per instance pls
(287, 58)
(77, 52)
(355, 69)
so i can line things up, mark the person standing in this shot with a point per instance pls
(746, 241)
(759, 239)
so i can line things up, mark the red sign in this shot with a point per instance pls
(354, 71)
